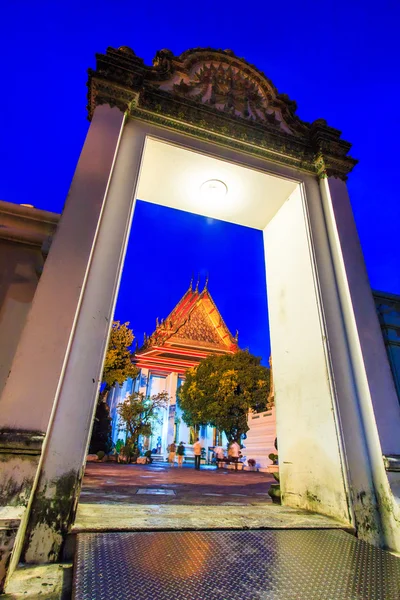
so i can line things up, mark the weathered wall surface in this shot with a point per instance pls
(311, 470)
(24, 233)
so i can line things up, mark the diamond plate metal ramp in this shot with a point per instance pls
(233, 565)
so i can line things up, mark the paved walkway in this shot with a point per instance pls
(159, 484)
(154, 497)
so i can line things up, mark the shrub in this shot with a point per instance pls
(118, 446)
(274, 458)
(101, 454)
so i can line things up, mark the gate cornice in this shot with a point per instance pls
(216, 96)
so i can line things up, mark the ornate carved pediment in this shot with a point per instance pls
(216, 96)
(195, 320)
(229, 88)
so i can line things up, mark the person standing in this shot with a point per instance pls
(234, 453)
(197, 454)
(172, 452)
(180, 453)
(219, 455)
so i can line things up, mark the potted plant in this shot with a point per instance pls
(275, 489)
(251, 464)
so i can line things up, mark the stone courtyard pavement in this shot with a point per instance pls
(162, 484)
(160, 498)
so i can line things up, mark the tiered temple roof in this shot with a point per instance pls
(193, 330)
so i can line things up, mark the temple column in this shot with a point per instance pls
(172, 384)
(144, 380)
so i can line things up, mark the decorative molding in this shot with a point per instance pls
(27, 225)
(392, 462)
(216, 96)
(13, 441)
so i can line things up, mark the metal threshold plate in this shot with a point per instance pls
(233, 565)
(156, 491)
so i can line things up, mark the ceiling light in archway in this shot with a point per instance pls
(213, 190)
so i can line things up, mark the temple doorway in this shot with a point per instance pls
(200, 183)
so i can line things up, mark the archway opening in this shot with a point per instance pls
(220, 190)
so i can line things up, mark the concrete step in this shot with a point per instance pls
(158, 458)
(10, 519)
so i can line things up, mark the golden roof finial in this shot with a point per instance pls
(237, 335)
(197, 283)
(206, 284)
(191, 283)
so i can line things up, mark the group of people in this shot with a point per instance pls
(176, 451)
(233, 453)
(179, 451)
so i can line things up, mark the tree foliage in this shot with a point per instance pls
(139, 413)
(117, 368)
(221, 390)
(118, 362)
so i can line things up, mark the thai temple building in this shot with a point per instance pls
(193, 330)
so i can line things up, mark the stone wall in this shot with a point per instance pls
(25, 236)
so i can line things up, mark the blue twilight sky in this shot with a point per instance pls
(338, 59)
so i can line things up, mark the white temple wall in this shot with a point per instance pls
(260, 440)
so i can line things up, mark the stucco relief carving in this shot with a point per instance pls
(214, 95)
(227, 88)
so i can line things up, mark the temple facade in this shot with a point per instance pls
(193, 330)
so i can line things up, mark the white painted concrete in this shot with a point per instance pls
(75, 408)
(260, 439)
(252, 198)
(371, 366)
(374, 408)
(311, 470)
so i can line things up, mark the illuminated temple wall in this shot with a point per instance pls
(258, 444)
(171, 424)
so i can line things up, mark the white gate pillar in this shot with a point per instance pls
(33, 384)
(56, 496)
(54, 380)
(370, 411)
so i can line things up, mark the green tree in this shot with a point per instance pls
(118, 365)
(139, 413)
(221, 390)
(117, 368)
